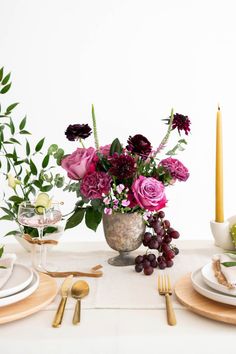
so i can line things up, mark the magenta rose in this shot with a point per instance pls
(80, 162)
(95, 185)
(149, 193)
(176, 169)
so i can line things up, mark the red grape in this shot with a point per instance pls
(148, 270)
(151, 257)
(174, 234)
(161, 214)
(154, 264)
(166, 224)
(146, 263)
(138, 259)
(162, 265)
(138, 268)
(169, 263)
(176, 250)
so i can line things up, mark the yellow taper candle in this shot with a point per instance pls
(219, 203)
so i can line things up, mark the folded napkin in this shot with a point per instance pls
(225, 275)
(6, 266)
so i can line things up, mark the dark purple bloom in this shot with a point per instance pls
(122, 166)
(176, 169)
(139, 145)
(181, 122)
(78, 131)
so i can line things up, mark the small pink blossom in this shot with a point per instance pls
(106, 200)
(116, 201)
(108, 211)
(115, 207)
(125, 203)
(120, 188)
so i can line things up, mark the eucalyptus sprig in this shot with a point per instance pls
(23, 163)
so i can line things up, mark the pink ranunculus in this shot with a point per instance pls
(95, 185)
(105, 150)
(176, 169)
(80, 162)
(149, 193)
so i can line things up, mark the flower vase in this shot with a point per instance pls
(123, 233)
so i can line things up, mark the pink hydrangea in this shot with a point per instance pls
(95, 185)
(149, 193)
(176, 169)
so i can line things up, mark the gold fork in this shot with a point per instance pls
(164, 288)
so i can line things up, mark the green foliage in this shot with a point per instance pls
(115, 147)
(34, 232)
(92, 218)
(75, 219)
(28, 165)
(229, 264)
(1, 251)
(178, 147)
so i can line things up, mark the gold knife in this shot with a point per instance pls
(65, 288)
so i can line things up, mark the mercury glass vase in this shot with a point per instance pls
(123, 233)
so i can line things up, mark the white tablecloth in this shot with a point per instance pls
(123, 312)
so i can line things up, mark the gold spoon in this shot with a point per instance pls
(79, 290)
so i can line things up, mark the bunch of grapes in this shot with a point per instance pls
(160, 240)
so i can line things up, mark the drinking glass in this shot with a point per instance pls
(28, 216)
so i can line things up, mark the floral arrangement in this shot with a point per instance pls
(122, 178)
(23, 165)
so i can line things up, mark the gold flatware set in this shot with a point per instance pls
(79, 290)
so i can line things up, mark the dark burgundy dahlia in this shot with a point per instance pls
(122, 166)
(78, 131)
(139, 145)
(181, 122)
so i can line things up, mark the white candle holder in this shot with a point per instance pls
(221, 233)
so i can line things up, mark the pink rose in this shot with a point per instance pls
(95, 185)
(80, 162)
(149, 193)
(105, 150)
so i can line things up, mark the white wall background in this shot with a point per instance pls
(135, 60)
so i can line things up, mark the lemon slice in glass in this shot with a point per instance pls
(42, 203)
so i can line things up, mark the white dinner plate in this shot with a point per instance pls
(202, 288)
(210, 279)
(11, 299)
(20, 278)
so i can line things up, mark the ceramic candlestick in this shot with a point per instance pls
(221, 233)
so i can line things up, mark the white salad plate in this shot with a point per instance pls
(19, 279)
(21, 295)
(210, 279)
(202, 288)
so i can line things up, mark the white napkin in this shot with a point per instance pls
(228, 272)
(7, 260)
